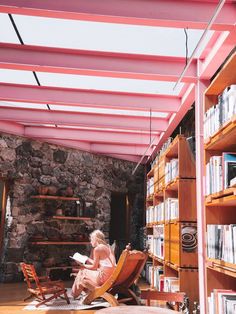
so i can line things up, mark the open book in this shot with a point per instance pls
(79, 258)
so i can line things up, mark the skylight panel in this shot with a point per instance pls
(106, 129)
(17, 77)
(22, 105)
(110, 111)
(109, 84)
(106, 36)
(7, 33)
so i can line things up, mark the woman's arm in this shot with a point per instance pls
(94, 263)
(90, 258)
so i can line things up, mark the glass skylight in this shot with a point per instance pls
(7, 33)
(22, 105)
(105, 36)
(17, 77)
(109, 84)
(107, 129)
(84, 109)
(110, 111)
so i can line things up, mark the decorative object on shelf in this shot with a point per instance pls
(52, 190)
(43, 190)
(59, 212)
(189, 238)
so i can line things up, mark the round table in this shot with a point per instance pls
(135, 309)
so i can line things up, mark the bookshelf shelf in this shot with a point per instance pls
(156, 258)
(59, 243)
(71, 218)
(218, 195)
(228, 200)
(220, 218)
(50, 197)
(223, 139)
(222, 267)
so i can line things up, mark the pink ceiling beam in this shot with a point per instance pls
(166, 13)
(11, 128)
(82, 119)
(91, 98)
(219, 51)
(101, 148)
(68, 143)
(87, 147)
(119, 65)
(119, 149)
(88, 135)
(127, 157)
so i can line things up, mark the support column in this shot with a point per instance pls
(200, 182)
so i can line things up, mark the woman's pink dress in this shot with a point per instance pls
(95, 278)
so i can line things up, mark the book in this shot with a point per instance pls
(79, 258)
(229, 166)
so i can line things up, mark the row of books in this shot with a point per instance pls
(150, 186)
(221, 242)
(161, 151)
(167, 210)
(171, 208)
(220, 170)
(155, 277)
(155, 213)
(222, 301)
(155, 243)
(147, 272)
(171, 170)
(221, 112)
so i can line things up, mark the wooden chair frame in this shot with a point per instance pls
(178, 297)
(126, 273)
(40, 287)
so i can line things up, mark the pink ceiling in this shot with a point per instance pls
(123, 136)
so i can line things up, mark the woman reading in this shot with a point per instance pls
(98, 268)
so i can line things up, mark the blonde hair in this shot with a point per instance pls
(99, 235)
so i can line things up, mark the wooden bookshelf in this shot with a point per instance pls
(177, 262)
(220, 206)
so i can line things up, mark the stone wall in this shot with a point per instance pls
(30, 165)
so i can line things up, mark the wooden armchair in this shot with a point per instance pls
(127, 271)
(40, 287)
(179, 298)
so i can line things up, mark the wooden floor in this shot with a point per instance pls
(11, 301)
(13, 294)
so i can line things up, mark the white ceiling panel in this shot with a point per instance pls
(110, 111)
(7, 32)
(17, 77)
(109, 84)
(105, 37)
(22, 105)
